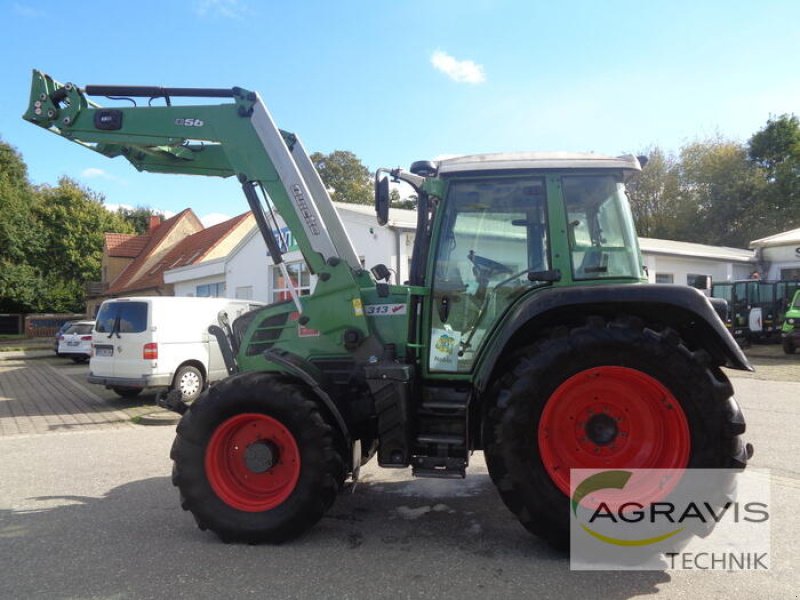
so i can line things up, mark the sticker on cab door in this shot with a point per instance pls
(444, 350)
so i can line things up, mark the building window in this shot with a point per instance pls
(244, 292)
(210, 290)
(301, 281)
(665, 278)
(696, 280)
(790, 274)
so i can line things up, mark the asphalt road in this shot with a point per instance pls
(89, 512)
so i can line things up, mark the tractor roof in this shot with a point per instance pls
(536, 160)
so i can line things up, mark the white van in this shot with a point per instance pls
(160, 342)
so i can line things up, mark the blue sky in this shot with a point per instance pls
(397, 81)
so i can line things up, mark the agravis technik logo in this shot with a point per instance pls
(669, 518)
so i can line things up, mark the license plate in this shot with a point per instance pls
(104, 351)
(73, 343)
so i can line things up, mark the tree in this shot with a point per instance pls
(17, 226)
(720, 189)
(51, 239)
(73, 221)
(655, 196)
(776, 150)
(346, 178)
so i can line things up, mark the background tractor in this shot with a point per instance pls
(527, 329)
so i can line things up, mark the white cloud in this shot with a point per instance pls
(116, 207)
(213, 219)
(94, 173)
(24, 10)
(461, 71)
(229, 9)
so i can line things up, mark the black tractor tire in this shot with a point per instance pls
(126, 392)
(190, 381)
(788, 346)
(515, 444)
(220, 468)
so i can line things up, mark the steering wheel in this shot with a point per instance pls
(485, 268)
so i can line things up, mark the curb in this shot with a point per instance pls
(158, 417)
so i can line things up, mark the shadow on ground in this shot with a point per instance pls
(430, 538)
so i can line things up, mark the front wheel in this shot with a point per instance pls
(788, 346)
(189, 380)
(608, 395)
(255, 461)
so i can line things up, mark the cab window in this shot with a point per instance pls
(493, 234)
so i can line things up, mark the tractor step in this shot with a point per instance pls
(439, 467)
(441, 447)
(440, 439)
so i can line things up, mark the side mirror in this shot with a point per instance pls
(382, 199)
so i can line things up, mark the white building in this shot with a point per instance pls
(668, 261)
(247, 271)
(779, 255)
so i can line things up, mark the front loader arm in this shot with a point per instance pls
(239, 138)
(235, 138)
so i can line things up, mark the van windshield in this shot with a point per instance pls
(122, 317)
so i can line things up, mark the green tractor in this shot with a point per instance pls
(527, 329)
(790, 332)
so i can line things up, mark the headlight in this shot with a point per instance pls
(790, 321)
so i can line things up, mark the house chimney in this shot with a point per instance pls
(155, 221)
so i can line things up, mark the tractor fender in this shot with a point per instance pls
(303, 370)
(679, 307)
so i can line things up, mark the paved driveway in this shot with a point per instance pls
(42, 396)
(87, 511)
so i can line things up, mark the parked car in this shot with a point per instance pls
(160, 343)
(60, 334)
(76, 341)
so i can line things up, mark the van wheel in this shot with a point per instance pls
(189, 380)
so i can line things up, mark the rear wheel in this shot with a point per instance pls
(607, 395)
(189, 380)
(788, 346)
(255, 461)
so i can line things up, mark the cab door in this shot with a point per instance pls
(492, 241)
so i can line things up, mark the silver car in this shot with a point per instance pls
(76, 341)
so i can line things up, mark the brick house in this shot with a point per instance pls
(134, 265)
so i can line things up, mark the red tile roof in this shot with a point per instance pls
(128, 279)
(188, 251)
(126, 245)
(194, 248)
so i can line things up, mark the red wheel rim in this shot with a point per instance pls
(611, 418)
(252, 462)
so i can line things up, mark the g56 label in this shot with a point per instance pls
(189, 122)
